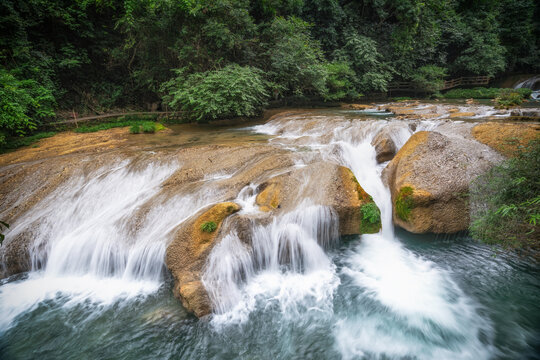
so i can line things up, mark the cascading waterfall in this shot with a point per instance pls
(85, 245)
(282, 288)
(533, 84)
(283, 253)
(435, 318)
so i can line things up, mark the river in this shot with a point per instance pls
(99, 288)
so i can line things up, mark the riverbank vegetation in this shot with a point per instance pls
(92, 56)
(506, 202)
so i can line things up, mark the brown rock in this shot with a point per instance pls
(359, 106)
(187, 254)
(462, 114)
(325, 184)
(429, 181)
(506, 138)
(385, 147)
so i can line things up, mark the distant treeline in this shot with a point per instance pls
(94, 55)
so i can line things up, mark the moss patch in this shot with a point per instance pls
(371, 218)
(208, 226)
(404, 203)
(205, 229)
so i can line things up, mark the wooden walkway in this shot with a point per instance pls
(448, 84)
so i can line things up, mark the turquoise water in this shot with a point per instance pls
(504, 289)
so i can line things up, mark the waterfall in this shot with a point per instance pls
(100, 237)
(100, 240)
(532, 83)
(435, 319)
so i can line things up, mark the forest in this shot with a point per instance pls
(226, 58)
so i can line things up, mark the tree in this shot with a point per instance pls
(233, 91)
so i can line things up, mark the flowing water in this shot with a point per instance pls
(99, 288)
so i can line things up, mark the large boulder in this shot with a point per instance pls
(429, 181)
(187, 254)
(325, 184)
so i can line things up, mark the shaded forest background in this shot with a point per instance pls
(219, 58)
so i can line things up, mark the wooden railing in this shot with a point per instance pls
(448, 84)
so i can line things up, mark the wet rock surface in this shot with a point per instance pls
(429, 181)
(187, 254)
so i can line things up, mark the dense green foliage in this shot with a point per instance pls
(229, 92)
(371, 218)
(484, 93)
(505, 202)
(508, 98)
(19, 141)
(95, 55)
(208, 226)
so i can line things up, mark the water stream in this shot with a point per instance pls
(99, 288)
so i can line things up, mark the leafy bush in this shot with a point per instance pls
(148, 127)
(362, 55)
(23, 103)
(135, 129)
(505, 202)
(508, 98)
(371, 213)
(208, 226)
(371, 218)
(483, 93)
(15, 142)
(233, 91)
(404, 203)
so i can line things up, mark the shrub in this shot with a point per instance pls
(208, 226)
(19, 141)
(148, 127)
(371, 213)
(483, 93)
(294, 61)
(404, 203)
(371, 218)
(339, 82)
(505, 202)
(233, 91)
(508, 98)
(135, 129)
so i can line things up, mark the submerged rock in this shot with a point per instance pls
(429, 181)
(187, 254)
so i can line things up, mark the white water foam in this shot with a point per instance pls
(423, 313)
(100, 238)
(286, 266)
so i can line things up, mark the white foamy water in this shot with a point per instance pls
(421, 312)
(100, 238)
(286, 264)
